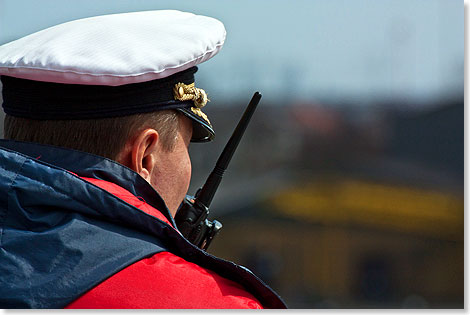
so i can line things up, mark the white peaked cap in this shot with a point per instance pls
(114, 49)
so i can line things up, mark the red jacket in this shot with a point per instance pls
(164, 280)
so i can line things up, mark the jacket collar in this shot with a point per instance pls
(94, 166)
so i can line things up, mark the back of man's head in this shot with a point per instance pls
(105, 136)
(92, 84)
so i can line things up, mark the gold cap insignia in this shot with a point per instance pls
(183, 92)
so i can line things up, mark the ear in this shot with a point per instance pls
(142, 152)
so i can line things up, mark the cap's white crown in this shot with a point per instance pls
(114, 49)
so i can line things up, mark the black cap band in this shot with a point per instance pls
(56, 101)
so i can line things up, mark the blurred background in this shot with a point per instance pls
(347, 190)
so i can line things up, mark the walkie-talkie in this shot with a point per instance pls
(191, 217)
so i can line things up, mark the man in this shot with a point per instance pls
(83, 230)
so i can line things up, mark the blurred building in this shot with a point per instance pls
(335, 211)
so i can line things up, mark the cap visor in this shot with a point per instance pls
(202, 131)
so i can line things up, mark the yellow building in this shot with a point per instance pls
(347, 242)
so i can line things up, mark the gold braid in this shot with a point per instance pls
(183, 92)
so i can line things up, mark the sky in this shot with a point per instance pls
(302, 50)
